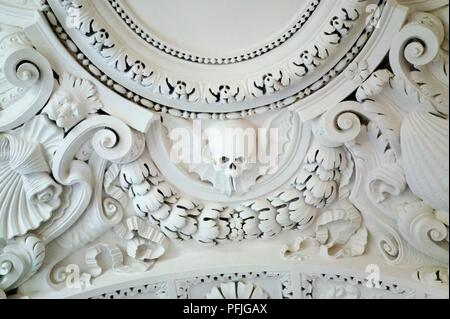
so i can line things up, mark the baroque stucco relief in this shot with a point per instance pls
(341, 175)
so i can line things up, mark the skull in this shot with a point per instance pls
(233, 146)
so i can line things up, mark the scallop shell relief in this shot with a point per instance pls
(29, 194)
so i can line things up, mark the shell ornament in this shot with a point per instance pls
(29, 193)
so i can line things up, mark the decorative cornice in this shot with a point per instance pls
(363, 173)
(109, 55)
(178, 53)
(319, 84)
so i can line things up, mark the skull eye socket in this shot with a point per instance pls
(224, 159)
(239, 160)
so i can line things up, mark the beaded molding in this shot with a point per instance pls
(138, 99)
(139, 31)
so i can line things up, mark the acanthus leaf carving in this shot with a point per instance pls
(20, 258)
(320, 177)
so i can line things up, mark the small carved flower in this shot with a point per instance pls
(72, 102)
(236, 221)
(358, 72)
(236, 225)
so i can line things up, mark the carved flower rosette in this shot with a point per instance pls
(29, 193)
